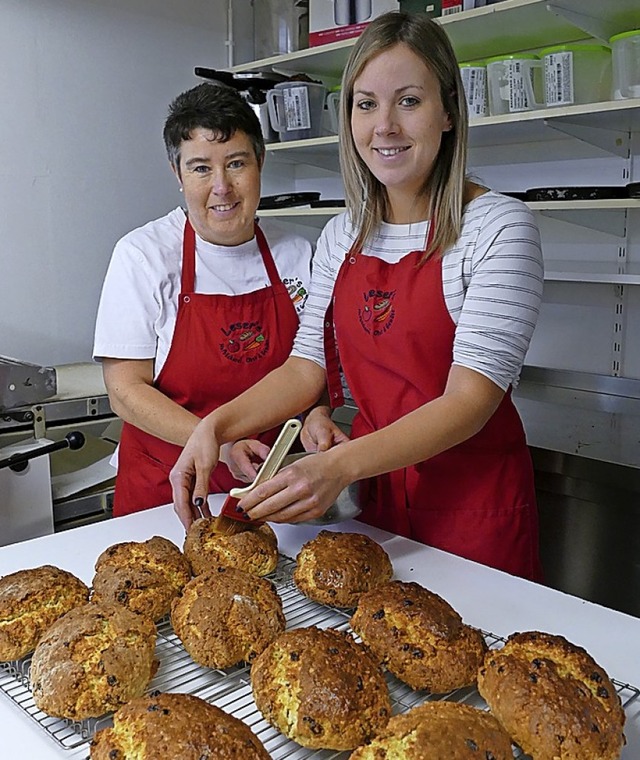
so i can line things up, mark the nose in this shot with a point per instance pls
(385, 121)
(220, 183)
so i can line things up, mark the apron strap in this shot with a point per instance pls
(267, 258)
(188, 279)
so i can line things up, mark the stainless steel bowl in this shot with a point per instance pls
(345, 507)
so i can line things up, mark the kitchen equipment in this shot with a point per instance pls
(474, 81)
(586, 193)
(514, 83)
(280, 27)
(295, 109)
(253, 87)
(576, 73)
(287, 200)
(58, 488)
(333, 111)
(230, 521)
(626, 64)
(351, 11)
(345, 507)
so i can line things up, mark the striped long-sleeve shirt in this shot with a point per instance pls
(492, 282)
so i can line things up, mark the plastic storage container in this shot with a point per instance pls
(514, 83)
(474, 81)
(279, 27)
(296, 109)
(576, 73)
(626, 64)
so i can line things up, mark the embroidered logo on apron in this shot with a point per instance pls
(377, 312)
(244, 342)
(296, 290)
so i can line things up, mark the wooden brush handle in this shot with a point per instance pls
(272, 463)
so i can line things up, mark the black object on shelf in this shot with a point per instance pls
(633, 189)
(519, 195)
(243, 81)
(287, 200)
(329, 203)
(18, 462)
(586, 193)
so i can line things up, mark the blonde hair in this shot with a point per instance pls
(366, 197)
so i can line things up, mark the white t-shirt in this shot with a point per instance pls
(492, 282)
(139, 301)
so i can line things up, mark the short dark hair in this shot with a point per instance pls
(210, 106)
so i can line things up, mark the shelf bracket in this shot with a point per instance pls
(613, 141)
(590, 24)
(607, 221)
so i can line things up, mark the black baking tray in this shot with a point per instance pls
(633, 189)
(583, 193)
(329, 203)
(287, 200)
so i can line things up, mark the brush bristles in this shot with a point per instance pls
(228, 526)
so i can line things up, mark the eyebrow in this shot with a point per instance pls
(228, 157)
(396, 92)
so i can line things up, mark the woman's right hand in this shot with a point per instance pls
(189, 476)
(320, 432)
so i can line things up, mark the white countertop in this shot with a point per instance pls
(485, 598)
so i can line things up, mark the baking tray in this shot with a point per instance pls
(577, 193)
(230, 689)
(287, 200)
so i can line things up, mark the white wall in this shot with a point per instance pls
(84, 89)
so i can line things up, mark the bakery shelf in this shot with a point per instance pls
(230, 689)
(505, 27)
(310, 217)
(598, 272)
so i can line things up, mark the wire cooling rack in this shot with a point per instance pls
(230, 689)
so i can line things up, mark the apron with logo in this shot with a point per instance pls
(221, 346)
(394, 337)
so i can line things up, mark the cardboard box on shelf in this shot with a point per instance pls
(435, 8)
(334, 20)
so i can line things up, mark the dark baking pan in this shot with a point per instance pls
(586, 193)
(633, 189)
(287, 200)
(329, 203)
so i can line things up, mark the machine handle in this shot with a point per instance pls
(18, 462)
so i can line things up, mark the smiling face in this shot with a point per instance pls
(221, 182)
(397, 121)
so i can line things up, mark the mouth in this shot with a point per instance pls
(390, 152)
(224, 207)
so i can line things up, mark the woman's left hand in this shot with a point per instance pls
(244, 458)
(302, 491)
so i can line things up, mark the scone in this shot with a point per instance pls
(144, 576)
(419, 637)
(439, 731)
(337, 568)
(93, 660)
(553, 699)
(321, 688)
(227, 616)
(175, 727)
(255, 551)
(31, 601)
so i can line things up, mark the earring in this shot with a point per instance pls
(180, 188)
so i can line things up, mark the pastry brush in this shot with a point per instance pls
(230, 521)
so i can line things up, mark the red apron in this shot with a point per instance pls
(395, 338)
(221, 346)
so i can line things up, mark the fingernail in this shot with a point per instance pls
(239, 510)
(199, 501)
(246, 517)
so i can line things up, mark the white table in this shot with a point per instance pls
(485, 598)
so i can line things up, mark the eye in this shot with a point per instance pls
(409, 101)
(236, 164)
(200, 169)
(365, 105)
